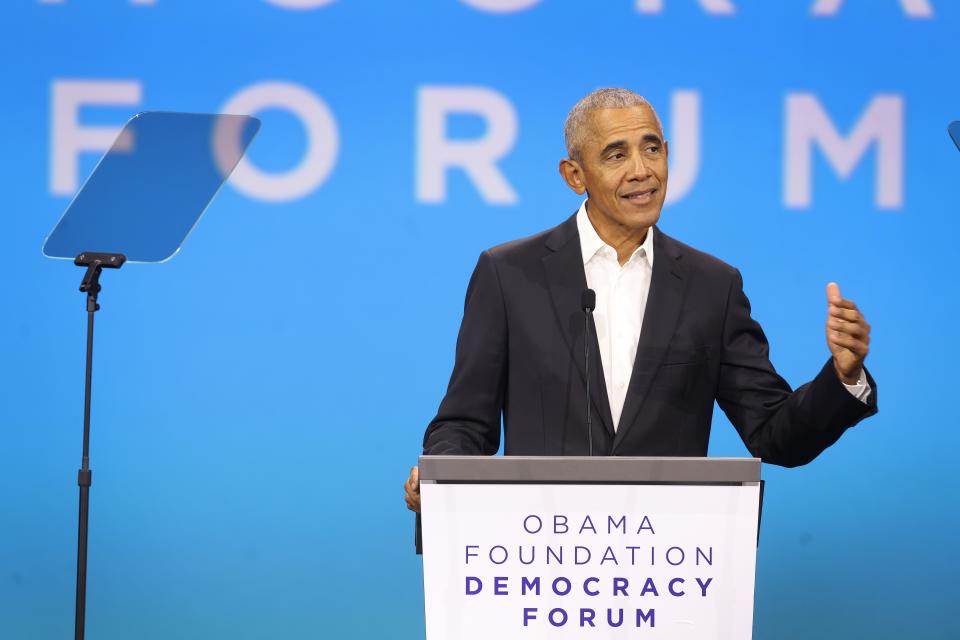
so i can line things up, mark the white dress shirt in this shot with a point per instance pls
(621, 301)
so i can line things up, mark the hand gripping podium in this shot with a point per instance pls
(577, 547)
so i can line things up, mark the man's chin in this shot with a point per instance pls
(641, 217)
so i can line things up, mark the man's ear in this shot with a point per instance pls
(573, 175)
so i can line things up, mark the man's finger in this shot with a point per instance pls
(850, 314)
(858, 347)
(413, 490)
(857, 329)
(843, 303)
(412, 498)
(833, 292)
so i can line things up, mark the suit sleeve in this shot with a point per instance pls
(780, 426)
(468, 420)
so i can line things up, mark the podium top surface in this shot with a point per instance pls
(616, 469)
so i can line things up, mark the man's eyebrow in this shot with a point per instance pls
(617, 144)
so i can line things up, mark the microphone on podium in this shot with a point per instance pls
(588, 302)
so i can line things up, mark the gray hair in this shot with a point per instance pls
(574, 129)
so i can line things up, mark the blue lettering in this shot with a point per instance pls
(586, 587)
(577, 557)
(617, 525)
(478, 586)
(645, 617)
(538, 521)
(533, 554)
(646, 525)
(610, 618)
(620, 587)
(503, 549)
(586, 617)
(587, 525)
(649, 586)
(563, 619)
(530, 585)
(682, 556)
(708, 560)
(471, 555)
(671, 589)
(608, 556)
(704, 585)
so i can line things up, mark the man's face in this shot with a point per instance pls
(622, 167)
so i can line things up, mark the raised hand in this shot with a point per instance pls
(848, 335)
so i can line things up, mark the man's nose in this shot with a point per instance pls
(638, 167)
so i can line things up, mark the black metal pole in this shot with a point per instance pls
(90, 285)
(95, 263)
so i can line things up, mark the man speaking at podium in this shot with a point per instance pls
(672, 329)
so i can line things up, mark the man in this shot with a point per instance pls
(672, 328)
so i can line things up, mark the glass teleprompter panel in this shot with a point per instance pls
(151, 187)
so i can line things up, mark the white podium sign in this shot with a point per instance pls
(506, 561)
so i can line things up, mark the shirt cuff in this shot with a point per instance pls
(861, 390)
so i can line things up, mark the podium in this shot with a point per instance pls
(577, 547)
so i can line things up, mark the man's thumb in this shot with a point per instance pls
(833, 292)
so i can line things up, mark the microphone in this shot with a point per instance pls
(588, 302)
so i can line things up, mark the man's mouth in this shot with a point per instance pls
(644, 196)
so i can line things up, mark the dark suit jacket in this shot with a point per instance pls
(521, 352)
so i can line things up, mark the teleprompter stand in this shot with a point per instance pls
(95, 263)
(139, 205)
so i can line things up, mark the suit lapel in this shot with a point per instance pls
(664, 303)
(566, 281)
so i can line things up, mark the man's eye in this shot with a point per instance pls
(653, 149)
(616, 155)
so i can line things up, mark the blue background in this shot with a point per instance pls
(254, 418)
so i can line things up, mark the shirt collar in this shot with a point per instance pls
(591, 243)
